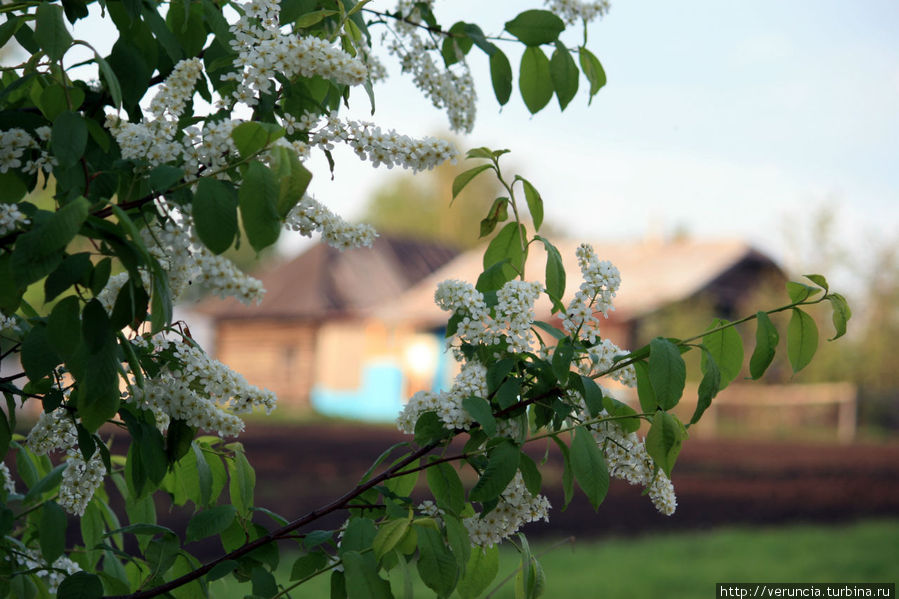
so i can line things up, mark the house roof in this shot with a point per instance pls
(653, 274)
(326, 282)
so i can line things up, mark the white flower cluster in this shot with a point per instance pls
(514, 312)
(6, 322)
(372, 143)
(601, 357)
(445, 88)
(210, 149)
(471, 380)
(187, 261)
(627, 459)
(516, 507)
(309, 216)
(80, 480)
(572, 11)
(51, 574)
(199, 390)
(9, 485)
(601, 281)
(13, 144)
(11, 218)
(55, 431)
(264, 52)
(153, 140)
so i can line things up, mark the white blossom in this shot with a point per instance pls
(516, 507)
(264, 51)
(447, 89)
(199, 390)
(51, 574)
(572, 11)
(601, 281)
(310, 216)
(55, 431)
(627, 459)
(9, 485)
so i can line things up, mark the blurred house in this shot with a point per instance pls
(313, 338)
(354, 333)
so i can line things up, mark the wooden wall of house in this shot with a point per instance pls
(276, 354)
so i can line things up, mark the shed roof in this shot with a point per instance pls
(324, 282)
(653, 274)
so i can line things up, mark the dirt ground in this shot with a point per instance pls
(717, 482)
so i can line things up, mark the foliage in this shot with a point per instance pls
(150, 192)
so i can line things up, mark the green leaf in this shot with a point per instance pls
(38, 355)
(534, 79)
(390, 534)
(708, 387)
(52, 531)
(502, 464)
(294, 178)
(799, 292)
(362, 580)
(436, 564)
(509, 244)
(80, 585)
(802, 339)
(535, 27)
(209, 522)
(68, 138)
(645, 392)
(534, 201)
(533, 480)
(565, 75)
(561, 361)
(593, 70)
(429, 428)
(589, 466)
(480, 410)
(480, 571)
(404, 485)
(109, 78)
(252, 136)
(465, 178)
(215, 214)
(726, 348)
(841, 314)
(165, 176)
(667, 372)
(48, 482)
(36, 252)
(818, 280)
(358, 536)
(308, 564)
(258, 198)
(50, 30)
(766, 339)
(11, 188)
(664, 440)
(222, 569)
(498, 213)
(73, 269)
(313, 18)
(501, 76)
(242, 482)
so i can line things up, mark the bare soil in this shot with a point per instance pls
(717, 482)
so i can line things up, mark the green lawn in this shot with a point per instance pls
(687, 565)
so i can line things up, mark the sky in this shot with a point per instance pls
(719, 119)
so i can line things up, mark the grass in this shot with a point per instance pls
(683, 565)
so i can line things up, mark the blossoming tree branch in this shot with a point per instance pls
(190, 138)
